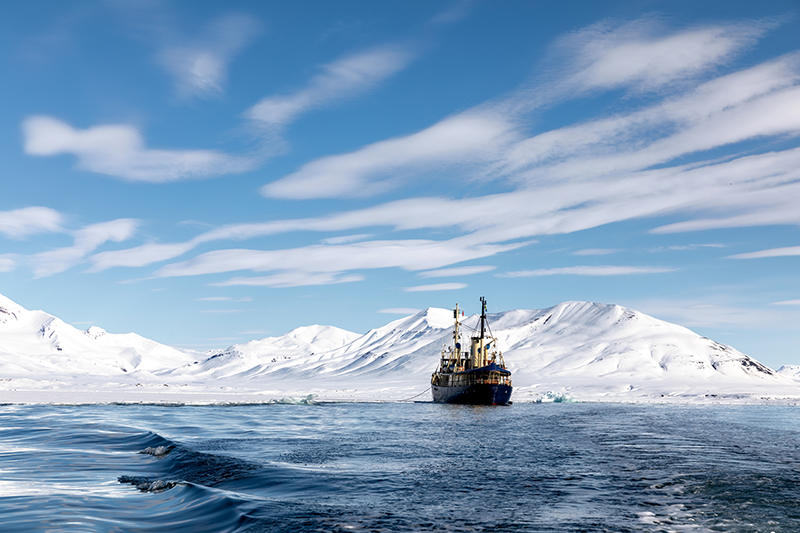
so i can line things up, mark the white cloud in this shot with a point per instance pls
(344, 78)
(586, 271)
(328, 264)
(417, 213)
(452, 13)
(200, 67)
(90, 237)
(751, 191)
(406, 254)
(758, 183)
(457, 271)
(297, 278)
(87, 240)
(787, 302)
(347, 238)
(436, 287)
(487, 142)
(643, 56)
(723, 111)
(465, 138)
(399, 311)
(685, 247)
(773, 252)
(222, 299)
(8, 262)
(546, 210)
(20, 223)
(619, 167)
(596, 251)
(118, 150)
(138, 256)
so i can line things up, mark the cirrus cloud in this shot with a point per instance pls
(436, 287)
(675, 152)
(787, 302)
(8, 262)
(641, 55)
(787, 251)
(410, 255)
(86, 240)
(296, 278)
(119, 150)
(343, 78)
(400, 310)
(465, 138)
(200, 65)
(606, 270)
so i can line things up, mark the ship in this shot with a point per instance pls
(477, 376)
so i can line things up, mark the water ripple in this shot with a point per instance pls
(400, 467)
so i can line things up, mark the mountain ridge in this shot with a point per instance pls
(581, 348)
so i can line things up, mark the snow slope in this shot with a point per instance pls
(790, 371)
(34, 344)
(578, 349)
(609, 349)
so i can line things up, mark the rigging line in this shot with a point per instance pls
(420, 394)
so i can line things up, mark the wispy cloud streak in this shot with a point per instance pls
(468, 138)
(787, 302)
(788, 251)
(586, 271)
(456, 271)
(8, 262)
(437, 287)
(642, 55)
(410, 255)
(87, 240)
(200, 65)
(341, 79)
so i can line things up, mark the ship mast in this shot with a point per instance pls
(456, 334)
(478, 356)
(483, 317)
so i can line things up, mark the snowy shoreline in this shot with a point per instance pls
(177, 395)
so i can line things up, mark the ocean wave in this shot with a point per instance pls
(157, 451)
(147, 484)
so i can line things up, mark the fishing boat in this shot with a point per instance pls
(477, 376)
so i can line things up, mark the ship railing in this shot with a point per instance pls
(462, 380)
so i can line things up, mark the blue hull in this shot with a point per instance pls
(477, 394)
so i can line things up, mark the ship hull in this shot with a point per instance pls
(475, 394)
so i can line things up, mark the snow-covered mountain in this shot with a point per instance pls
(573, 347)
(410, 344)
(610, 349)
(582, 349)
(790, 371)
(36, 344)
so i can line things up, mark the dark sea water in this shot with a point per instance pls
(400, 467)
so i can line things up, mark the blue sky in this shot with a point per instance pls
(206, 173)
